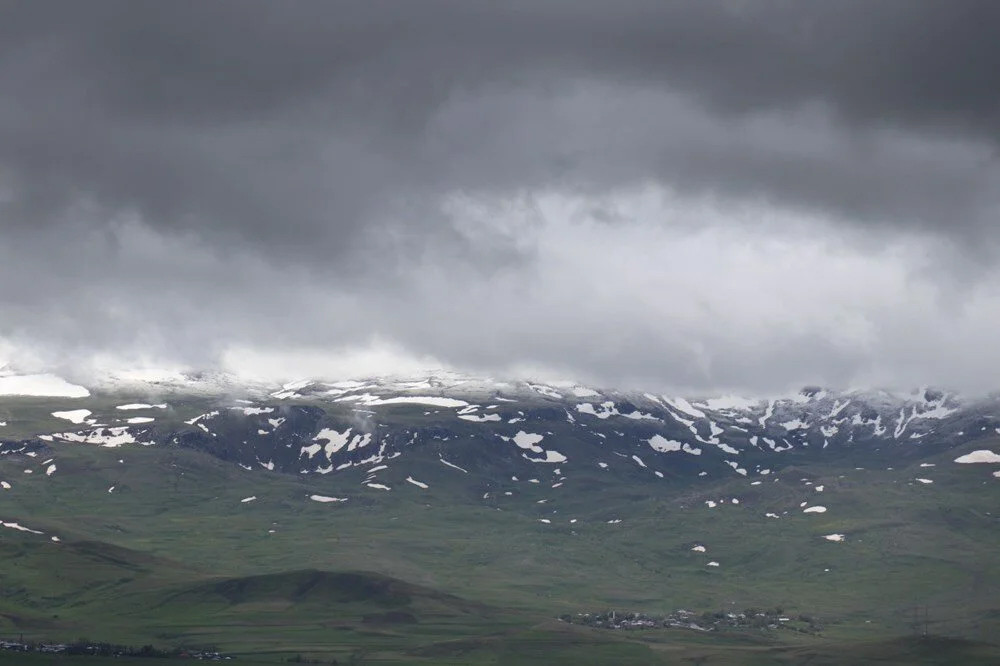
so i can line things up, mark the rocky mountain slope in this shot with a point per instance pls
(498, 428)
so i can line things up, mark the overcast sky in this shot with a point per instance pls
(701, 196)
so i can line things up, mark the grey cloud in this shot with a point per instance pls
(175, 165)
(255, 117)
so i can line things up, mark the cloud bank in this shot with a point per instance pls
(707, 196)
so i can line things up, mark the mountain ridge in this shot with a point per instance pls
(326, 427)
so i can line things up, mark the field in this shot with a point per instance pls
(156, 546)
(469, 553)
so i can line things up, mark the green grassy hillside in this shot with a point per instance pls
(462, 572)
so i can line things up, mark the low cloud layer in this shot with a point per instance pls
(707, 196)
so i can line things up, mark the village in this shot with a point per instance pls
(751, 618)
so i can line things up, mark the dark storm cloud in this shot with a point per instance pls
(203, 172)
(284, 121)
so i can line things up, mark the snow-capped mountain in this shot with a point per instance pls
(476, 424)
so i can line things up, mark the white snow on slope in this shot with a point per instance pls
(19, 527)
(838, 407)
(477, 418)
(636, 415)
(682, 405)
(546, 391)
(50, 470)
(453, 465)
(834, 537)
(135, 420)
(815, 509)
(551, 457)
(107, 437)
(762, 421)
(730, 402)
(141, 405)
(73, 415)
(252, 411)
(664, 445)
(699, 549)
(925, 480)
(335, 440)
(45, 385)
(324, 498)
(981, 456)
(584, 392)
(206, 416)
(607, 409)
(410, 479)
(434, 401)
(939, 412)
(248, 499)
(528, 440)
(736, 467)
(4, 485)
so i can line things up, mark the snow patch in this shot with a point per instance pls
(528, 440)
(453, 465)
(44, 385)
(251, 411)
(685, 407)
(981, 456)
(607, 409)
(730, 402)
(476, 418)
(106, 437)
(73, 415)
(19, 527)
(324, 498)
(434, 401)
